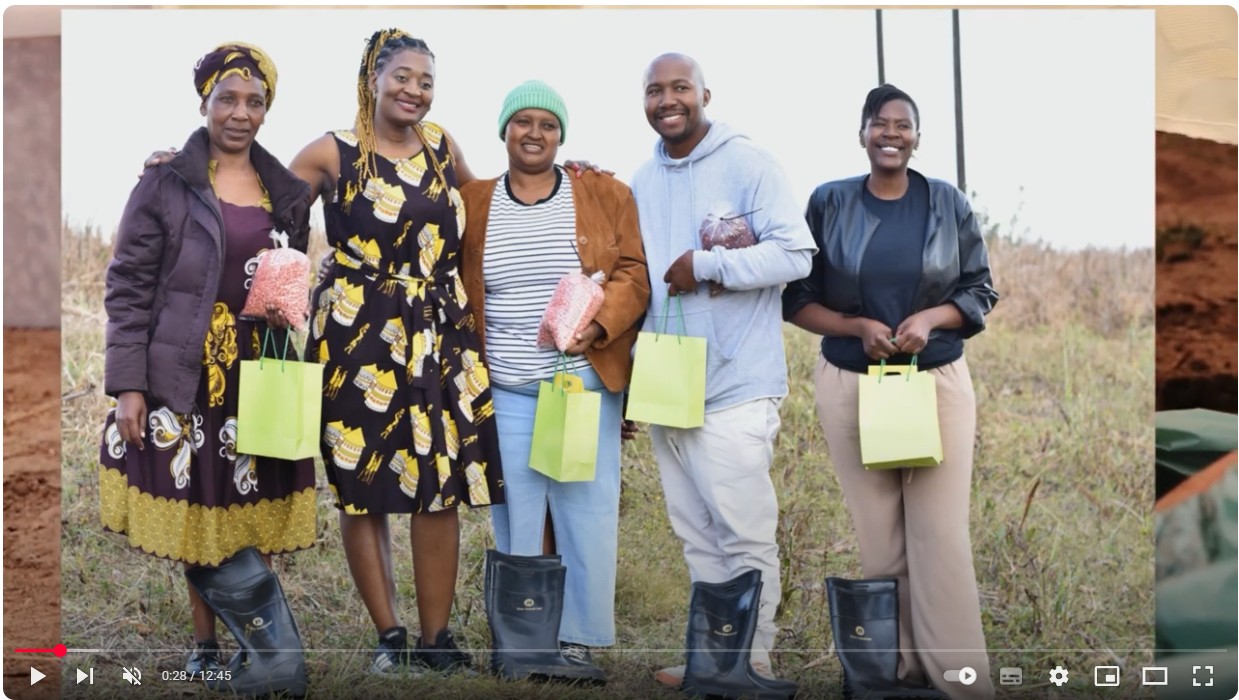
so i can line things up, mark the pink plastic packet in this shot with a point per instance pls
(727, 231)
(282, 279)
(574, 304)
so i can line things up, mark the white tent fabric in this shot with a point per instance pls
(1197, 72)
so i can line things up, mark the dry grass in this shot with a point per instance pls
(1061, 510)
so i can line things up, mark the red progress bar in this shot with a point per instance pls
(59, 650)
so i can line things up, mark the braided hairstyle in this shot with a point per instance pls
(380, 48)
(877, 99)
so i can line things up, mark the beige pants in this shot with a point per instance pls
(722, 504)
(912, 525)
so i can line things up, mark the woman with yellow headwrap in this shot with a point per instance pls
(170, 477)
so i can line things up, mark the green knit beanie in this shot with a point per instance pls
(534, 94)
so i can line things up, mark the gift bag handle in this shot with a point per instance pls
(680, 313)
(263, 355)
(907, 372)
(561, 369)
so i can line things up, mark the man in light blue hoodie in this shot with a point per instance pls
(716, 478)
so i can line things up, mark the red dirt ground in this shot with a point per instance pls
(1196, 286)
(31, 508)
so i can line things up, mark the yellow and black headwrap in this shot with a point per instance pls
(235, 58)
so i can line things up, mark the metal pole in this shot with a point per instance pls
(959, 108)
(881, 59)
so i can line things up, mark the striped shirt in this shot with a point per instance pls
(529, 248)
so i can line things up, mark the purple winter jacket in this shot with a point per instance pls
(165, 271)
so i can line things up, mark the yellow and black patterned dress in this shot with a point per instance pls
(408, 423)
(188, 495)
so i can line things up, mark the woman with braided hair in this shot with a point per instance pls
(408, 420)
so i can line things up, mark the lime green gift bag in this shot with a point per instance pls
(668, 384)
(899, 418)
(565, 428)
(279, 406)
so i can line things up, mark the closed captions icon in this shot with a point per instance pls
(1010, 675)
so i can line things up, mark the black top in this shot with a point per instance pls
(890, 272)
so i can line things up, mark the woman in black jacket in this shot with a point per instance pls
(902, 272)
(170, 477)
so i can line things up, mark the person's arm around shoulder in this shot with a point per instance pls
(131, 280)
(318, 164)
(974, 294)
(463, 174)
(628, 289)
(784, 250)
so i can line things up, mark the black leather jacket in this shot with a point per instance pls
(954, 267)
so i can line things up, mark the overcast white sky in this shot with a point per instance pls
(1058, 104)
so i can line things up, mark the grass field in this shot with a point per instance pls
(1061, 512)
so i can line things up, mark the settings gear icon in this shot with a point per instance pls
(1058, 676)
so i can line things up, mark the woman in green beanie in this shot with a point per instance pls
(535, 213)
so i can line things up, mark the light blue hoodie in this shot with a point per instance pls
(726, 175)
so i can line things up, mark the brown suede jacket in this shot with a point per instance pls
(608, 240)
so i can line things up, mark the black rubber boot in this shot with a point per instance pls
(524, 605)
(247, 597)
(722, 618)
(864, 618)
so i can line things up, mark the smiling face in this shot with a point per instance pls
(891, 136)
(675, 100)
(235, 109)
(404, 87)
(532, 138)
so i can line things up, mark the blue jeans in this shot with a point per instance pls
(585, 513)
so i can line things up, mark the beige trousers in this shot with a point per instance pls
(912, 525)
(722, 503)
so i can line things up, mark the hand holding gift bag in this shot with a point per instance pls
(279, 406)
(565, 428)
(898, 418)
(668, 384)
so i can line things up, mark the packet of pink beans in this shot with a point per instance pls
(283, 280)
(574, 304)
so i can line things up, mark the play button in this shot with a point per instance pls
(36, 675)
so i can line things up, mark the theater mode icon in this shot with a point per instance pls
(1154, 675)
(1106, 676)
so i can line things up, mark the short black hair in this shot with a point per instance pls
(879, 96)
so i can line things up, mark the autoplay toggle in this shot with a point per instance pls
(966, 675)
